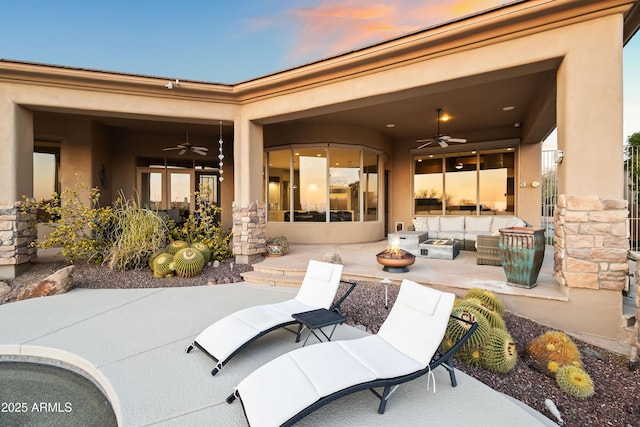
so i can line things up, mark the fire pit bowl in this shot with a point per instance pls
(395, 260)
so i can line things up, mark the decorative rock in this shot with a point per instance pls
(331, 257)
(216, 263)
(590, 352)
(4, 289)
(57, 283)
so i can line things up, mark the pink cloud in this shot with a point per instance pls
(335, 26)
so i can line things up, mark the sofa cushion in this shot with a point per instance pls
(433, 223)
(452, 223)
(420, 223)
(478, 224)
(505, 222)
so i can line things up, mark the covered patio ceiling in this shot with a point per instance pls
(475, 106)
(478, 107)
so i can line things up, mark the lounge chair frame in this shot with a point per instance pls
(389, 384)
(219, 364)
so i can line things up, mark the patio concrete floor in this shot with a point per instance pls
(132, 343)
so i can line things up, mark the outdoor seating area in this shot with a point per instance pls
(465, 228)
(295, 384)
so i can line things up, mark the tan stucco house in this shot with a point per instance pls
(329, 152)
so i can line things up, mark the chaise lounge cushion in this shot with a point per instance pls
(407, 340)
(229, 334)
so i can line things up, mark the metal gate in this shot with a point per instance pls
(632, 194)
(549, 193)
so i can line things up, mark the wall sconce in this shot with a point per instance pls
(558, 156)
(523, 185)
(535, 184)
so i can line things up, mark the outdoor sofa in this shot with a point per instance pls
(464, 228)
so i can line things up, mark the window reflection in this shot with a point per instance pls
(370, 185)
(460, 184)
(344, 185)
(428, 185)
(310, 184)
(465, 183)
(279, 171)
(325, 184)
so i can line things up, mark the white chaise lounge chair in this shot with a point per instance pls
(295, 384)
(226, 337)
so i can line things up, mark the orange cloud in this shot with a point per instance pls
(335, 26)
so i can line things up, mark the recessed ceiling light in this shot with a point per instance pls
(508, 108)
(516, 125)
(474, 152)
(419, 160)
(509, 149)
(431, 156)
(391, 125)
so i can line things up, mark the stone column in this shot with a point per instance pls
(249, 225)
(17, 234)
(591, 242)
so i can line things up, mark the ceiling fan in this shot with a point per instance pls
(441, 139)
(186, 146)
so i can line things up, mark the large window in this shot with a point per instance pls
(370, 185)
(46, 163)
(465, 183)
(322, 183)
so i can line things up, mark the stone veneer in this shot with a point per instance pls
(17, 232)
(591, 242)
(249, 229)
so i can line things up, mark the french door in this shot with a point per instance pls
(167, 190)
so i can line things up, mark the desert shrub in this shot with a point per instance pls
(204, 226)
(81, 229)
(137, 233)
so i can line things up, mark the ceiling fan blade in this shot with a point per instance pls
(184, 150)
(460, 140)
(200, 148)
(172, 148)
(443, 143)
(425, 144)
(202, 153)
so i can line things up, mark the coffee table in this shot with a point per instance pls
(315, 320)
(440, 248)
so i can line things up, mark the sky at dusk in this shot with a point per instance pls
(230, 42)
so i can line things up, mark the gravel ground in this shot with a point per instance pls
(616, 401)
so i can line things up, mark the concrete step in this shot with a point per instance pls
(272, 278)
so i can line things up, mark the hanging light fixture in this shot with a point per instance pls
(221, 156)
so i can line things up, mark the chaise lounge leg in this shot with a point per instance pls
(448, 365)
(216, 369)
(232, 397)
(190, 348)
(383, 399)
